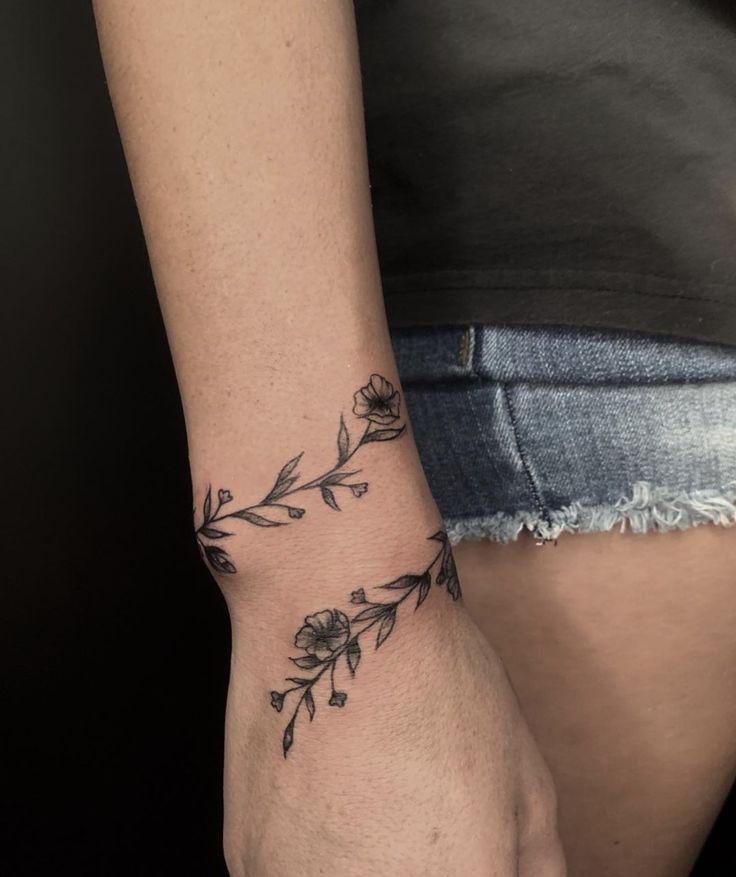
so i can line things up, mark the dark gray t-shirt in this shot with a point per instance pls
(554, 161)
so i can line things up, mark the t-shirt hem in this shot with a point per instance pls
(607, 300)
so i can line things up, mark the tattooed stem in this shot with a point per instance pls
(253, 509)
(377, 403)
(329, 635)
(317, 482)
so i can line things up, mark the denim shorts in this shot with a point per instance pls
(555, 430)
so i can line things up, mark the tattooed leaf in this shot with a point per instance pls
(283, 480)
(382, 435)
(453, 587)
(375, 610)
(439, 536)
(424, 589)
(207, 504)
(309, 703)
(387, 625)
(298, 680)
(353, 656)
(218, 559)
(253, 518)
(329, 497)
(343, 441)
(279, 489)
(449, 572)
(289, 468)
(402, 583)
(288, 737)
(295, 512)
(211, 533)
(307, 662)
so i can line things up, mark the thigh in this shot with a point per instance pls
(621, 649)
(619, 644)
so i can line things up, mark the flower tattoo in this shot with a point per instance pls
(378, 404)
(329, 640)
(323, 633)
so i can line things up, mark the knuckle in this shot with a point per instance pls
(540, 849)
(540, 805)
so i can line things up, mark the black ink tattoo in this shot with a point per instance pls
(329, 635)
(377, 403)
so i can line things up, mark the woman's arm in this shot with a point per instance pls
(369, 727)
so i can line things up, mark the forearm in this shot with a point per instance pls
(243, 130)
(242, 126)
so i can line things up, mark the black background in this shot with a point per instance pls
(114, 640)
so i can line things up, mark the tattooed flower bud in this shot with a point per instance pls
(378, 401)
(277, 700)
(338, 698)
(358, 596)
(224, 496)
(323, 633)
(359, 489)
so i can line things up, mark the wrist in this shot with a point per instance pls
(313, 648)
(364, 472)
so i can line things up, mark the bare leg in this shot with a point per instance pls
(622, 650)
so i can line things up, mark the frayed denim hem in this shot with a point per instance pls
(648, 508)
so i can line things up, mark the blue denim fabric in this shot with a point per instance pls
(556, 429)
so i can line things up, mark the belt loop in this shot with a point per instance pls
(466, 353)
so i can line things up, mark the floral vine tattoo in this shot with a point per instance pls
(329, 636)
(377, 403)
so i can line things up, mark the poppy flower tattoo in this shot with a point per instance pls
(377, 404)
(330, 641)
(323, 633)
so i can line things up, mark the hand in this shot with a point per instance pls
(426, 769)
